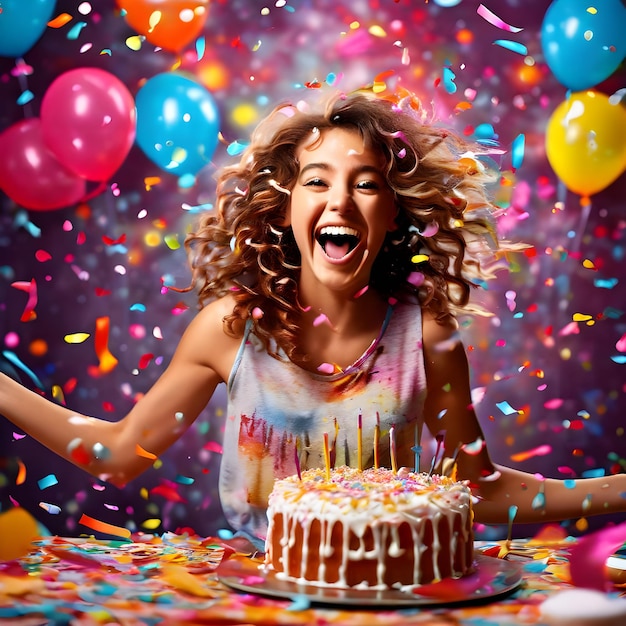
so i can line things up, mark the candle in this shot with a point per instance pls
(417, 448)
(392, 449)
(296, 458)
(376, 439)
(439, 437)
(327, 456)
(359, 452)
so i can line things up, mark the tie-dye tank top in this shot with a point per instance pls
(278, 411)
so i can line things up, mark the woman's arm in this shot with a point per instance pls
(119, 451)
(449, 408)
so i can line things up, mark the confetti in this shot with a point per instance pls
(107, 360)
(13, 358)
(475, 447)
(139, 451)
(529, 454)
(103, 527)
(21, 474)
(213, 446)
(22, 528)
(589, 555)
(31, 289)
(76, 337)
(179, 578)
(53, 509)
(517, 151)
(506, 408)
(492, 18)
(326, 368)
(514, 46)
(321, 319)
(47, 481)
(60, 20)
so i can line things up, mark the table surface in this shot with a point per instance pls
(172, 579)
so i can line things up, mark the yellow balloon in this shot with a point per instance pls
(586, 142)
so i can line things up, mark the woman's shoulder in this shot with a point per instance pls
(212, 318)
(437, 328)
(211, 338)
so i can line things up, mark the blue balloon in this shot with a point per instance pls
(177, 123)
(22, 23)
(583, 44)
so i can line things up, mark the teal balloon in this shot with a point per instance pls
(22, 23)
(584, 43)
(177, 123)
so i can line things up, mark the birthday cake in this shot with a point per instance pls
(372, 529)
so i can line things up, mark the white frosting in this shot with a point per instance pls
(375, 499)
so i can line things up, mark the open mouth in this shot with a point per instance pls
(338, 241)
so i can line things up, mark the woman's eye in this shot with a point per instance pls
(315, 182)
(367, 184)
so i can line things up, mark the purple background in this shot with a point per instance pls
(569, 386)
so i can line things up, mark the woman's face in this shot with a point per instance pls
(340, 210)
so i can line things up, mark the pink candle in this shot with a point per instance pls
(296, 458)
(376, 440)
(360, 443)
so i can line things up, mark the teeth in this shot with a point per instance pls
(339, 230)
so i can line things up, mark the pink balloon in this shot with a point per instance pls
(89, 122)
(30, 174)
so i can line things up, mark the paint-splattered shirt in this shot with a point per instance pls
(277, 410)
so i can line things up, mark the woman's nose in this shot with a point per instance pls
(341, 200)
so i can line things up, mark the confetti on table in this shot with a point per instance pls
(18, 529)
(588, 557)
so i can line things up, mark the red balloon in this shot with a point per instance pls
(30, 174)
(169, 24)
(89, 121)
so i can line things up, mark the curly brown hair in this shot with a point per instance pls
(445, 236)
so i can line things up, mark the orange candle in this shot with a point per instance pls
(392, 449)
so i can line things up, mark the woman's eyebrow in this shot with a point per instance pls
(359, 169)
(315, 166)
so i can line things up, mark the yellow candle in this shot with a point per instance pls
(376, 439)
(327, 456)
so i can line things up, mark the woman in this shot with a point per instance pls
(342, 245)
